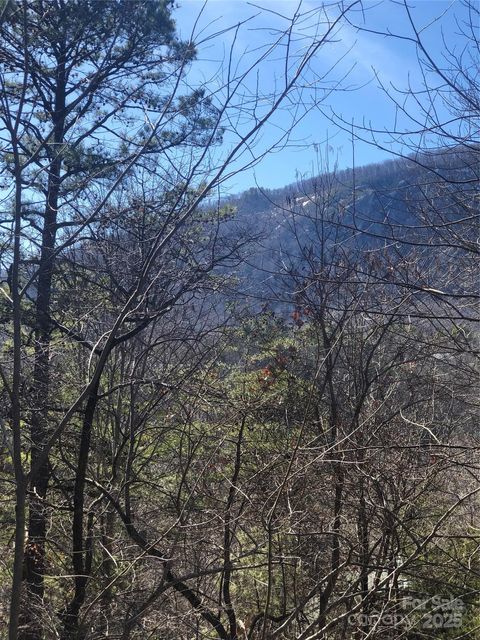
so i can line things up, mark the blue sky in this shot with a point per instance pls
(363, 55)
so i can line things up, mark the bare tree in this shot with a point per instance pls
(94, 97)
(435, 129)
(375, 408)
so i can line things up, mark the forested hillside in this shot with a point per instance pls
(411, 222)
(231, 417)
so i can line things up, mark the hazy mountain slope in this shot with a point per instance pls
(415, 209)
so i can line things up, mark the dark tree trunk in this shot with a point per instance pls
(35, 563)
(82, 545)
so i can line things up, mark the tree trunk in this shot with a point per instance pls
(37, 522)
(81, 551)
